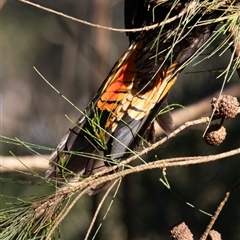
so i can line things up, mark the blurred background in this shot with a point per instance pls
(75, 59)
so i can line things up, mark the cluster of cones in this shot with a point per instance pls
(226, 107)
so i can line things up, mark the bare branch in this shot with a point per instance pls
(219, 209)
(191, 7)
(99, 208)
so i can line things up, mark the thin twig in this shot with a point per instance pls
(219, 209)
(128, 160)
(190, 7)
(157, 144)
(99, 208)
(92, 182)
(64, 212)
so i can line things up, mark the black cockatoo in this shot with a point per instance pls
(135, 90)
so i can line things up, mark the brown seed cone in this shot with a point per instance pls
(181, 232)
(227, 106)
(215, 135)
(214, 235)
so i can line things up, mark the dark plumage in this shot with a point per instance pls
(130, 98)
